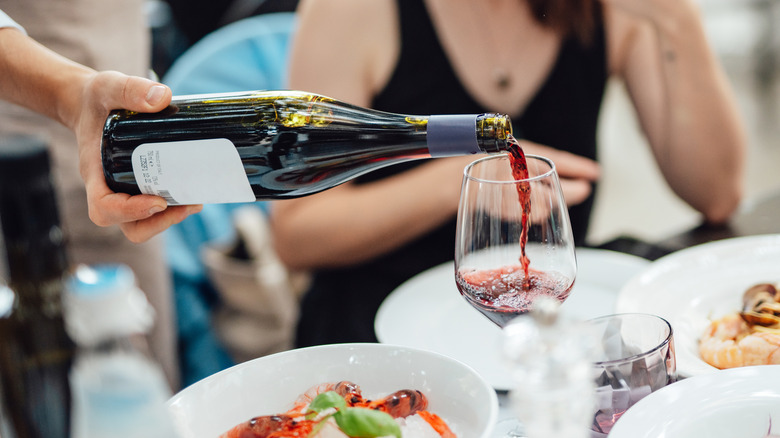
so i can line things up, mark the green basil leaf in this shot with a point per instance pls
(327, 400)
(366, 423)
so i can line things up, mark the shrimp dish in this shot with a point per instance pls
(748, 337)
(339, 410)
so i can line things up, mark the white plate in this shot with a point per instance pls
(428, 312)
(269, 385)
(691, 287)
(734, 403)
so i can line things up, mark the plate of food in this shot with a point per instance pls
(738, 402)
(428, 312)
(709, 293)
(344, 390)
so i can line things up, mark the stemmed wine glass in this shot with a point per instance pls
(514, 240)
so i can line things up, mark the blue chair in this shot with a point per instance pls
(250, 54)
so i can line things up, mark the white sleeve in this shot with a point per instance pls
(6, 21)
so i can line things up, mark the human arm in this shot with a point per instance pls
(81, 98)
(354, 223)
(683, 100)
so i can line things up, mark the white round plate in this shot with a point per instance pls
(738, 402)
(428, 312)
(269, 385)
(691, 287)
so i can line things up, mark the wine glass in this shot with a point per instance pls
(514, 241)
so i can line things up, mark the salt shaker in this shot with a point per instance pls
(118, 389)
(550, 360)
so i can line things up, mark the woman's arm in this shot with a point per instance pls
(81, 98)
(345, 49)
(683, 100)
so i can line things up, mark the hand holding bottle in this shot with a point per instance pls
(81, 98)
(140, 217)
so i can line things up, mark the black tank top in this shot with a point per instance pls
(342, 303)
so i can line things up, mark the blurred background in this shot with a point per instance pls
(633, 198)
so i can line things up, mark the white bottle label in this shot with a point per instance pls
(205, 171)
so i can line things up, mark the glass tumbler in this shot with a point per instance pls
(635, 356)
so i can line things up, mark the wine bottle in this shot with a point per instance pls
(35, 350)
(247, 146)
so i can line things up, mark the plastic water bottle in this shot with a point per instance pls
(118, 389)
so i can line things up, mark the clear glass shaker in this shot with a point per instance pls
(550, 360)
(118, 389)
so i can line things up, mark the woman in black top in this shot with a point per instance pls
(543, 62)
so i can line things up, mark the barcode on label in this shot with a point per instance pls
(168, 198)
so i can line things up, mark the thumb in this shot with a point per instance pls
(134, 92)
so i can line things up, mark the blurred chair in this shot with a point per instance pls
(250, 54)
(234, 299)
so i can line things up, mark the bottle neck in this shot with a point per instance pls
(463, 134)
(494, 132)
(33, 241)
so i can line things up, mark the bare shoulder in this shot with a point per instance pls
(349, 43)
(628, 36)
(356, 14)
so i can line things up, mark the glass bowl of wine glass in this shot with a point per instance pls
(514, 241)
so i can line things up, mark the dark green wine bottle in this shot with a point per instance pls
(35, 350)
(241, 147)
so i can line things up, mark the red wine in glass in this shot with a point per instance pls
(503, 293)
(605, 420)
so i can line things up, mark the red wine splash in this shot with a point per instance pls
(520, 173)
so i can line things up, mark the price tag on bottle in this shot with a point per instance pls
(207, 171)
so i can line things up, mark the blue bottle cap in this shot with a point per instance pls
(102, 302)
(100, 280)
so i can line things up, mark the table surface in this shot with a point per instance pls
(754, 218)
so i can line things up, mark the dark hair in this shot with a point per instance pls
(570, 17)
